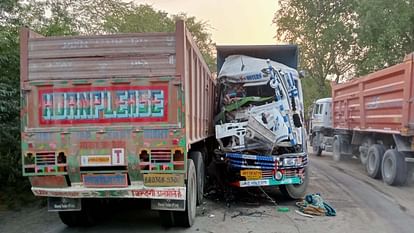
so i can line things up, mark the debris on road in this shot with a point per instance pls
(304, 215)
(248, 214)
(283, 209)
(313, 204)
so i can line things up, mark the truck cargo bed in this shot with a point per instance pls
(382, 101)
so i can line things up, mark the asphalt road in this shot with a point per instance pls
(362, 204)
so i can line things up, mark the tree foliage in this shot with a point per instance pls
(385, 32)
(340, 39)
(152, 20)
(323, 31)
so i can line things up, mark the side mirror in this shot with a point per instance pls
(302, 74)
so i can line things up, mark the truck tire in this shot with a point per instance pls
(198, 160)
(317, 150)
(296, 191)
(336, 149)
(186, 218)
(363, 149)
(80, 218)
(394, 168)
(375, 154)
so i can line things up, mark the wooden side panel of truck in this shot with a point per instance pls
(113, 116)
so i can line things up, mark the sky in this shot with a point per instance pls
(233, 22)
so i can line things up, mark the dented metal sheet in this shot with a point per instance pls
(259, 100)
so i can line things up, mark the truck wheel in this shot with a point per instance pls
(375, 154)
(186, 218)
(363, 149)
(76, 218)
(296, 191)
(317, 150)
(197, 158)
(336, 150)
(394, 168)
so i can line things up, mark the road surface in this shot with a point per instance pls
(362, 204)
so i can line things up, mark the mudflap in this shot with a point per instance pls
(55, 204)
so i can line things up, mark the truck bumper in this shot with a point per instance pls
(132, 191)
(266, 170)
(267, 182)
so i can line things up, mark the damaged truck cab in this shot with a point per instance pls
(259, 126)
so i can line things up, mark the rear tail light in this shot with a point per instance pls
(178, 159)
(28, 158)
(61, 159)
(144, 159)
(161, 159)
(45, 162)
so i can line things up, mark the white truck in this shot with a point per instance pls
(259, 122)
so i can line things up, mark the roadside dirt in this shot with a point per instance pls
(362, 204)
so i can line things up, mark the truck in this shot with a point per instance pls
(259, 123)
(123, 116)
(371, 117)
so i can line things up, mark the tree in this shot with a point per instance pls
(385, 33)
(324, 32)
(144, 18)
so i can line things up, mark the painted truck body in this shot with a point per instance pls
(373, 116)
(116, 116)
(258, 128)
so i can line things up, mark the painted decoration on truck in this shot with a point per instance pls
(79, 105)
(171, 193)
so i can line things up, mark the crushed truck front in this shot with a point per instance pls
(259, 125)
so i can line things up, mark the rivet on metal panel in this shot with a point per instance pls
(101, 131)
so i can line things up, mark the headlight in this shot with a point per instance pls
(289, 162)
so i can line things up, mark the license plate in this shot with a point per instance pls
(163, 204)
(105, 180)
(96, 160)
(63, 204)
(163, 180)
(251, 174)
